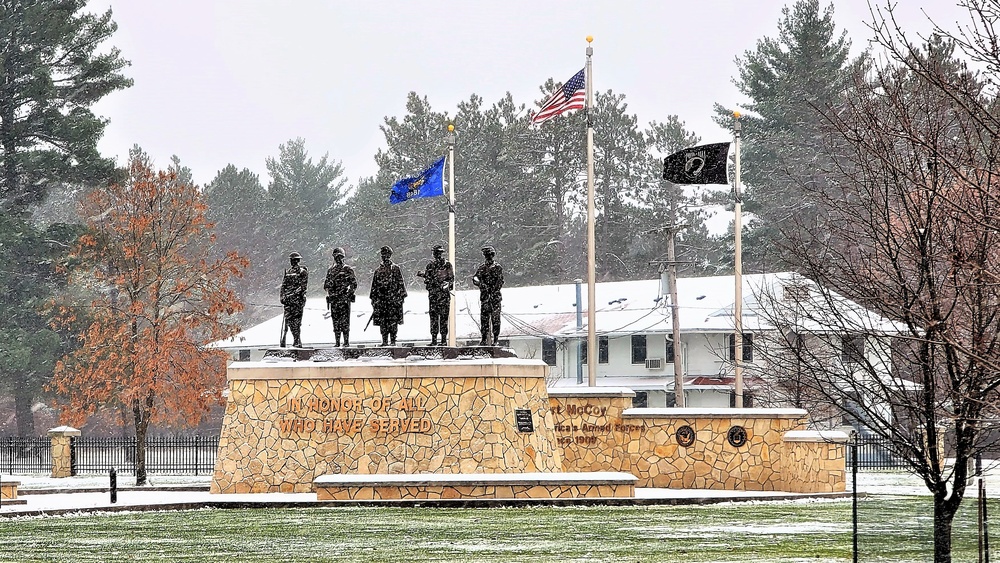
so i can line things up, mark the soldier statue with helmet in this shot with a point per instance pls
(340, 285)
(489, 280)
(439, 279)
(387, 294)
(293, 299)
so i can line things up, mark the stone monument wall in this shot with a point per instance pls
(289, 422)
(732, 449)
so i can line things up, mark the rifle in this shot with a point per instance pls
(369, 320)
(284, 329)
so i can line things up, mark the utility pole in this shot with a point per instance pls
(675, 317)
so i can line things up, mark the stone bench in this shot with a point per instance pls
(8, 493)
(475, 486)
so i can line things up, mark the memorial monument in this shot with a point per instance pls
(441, 422)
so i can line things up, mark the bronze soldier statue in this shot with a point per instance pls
(439, 279)
(340, 285)
(387, 295)
(293, 298)
(489, 280)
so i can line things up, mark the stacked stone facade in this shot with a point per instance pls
(598, 430)
(287, 423)
(448, 492)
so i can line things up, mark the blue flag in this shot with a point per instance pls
(429, 183)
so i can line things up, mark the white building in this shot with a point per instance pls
(549, 322)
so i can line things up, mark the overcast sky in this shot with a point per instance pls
(222, 82)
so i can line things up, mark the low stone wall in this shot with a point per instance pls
(814, 462)
(730, 449)
(8, 490)
(288, 422)
(481, 486)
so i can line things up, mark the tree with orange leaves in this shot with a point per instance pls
(156, 301)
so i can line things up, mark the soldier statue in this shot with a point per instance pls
(293, 298)
(387, 295)
(489, 280)
(340, 285)
(439, 279)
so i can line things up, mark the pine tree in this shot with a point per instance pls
(410, 227)
(237, 205)
(55, 63)
(790, 81)
(307, 199)
(55, 67)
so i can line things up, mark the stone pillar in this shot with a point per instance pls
(61, 466)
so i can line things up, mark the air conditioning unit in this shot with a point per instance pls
(654, 363)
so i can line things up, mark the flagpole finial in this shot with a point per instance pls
(451, 128)
(736, 115)
(590, 39)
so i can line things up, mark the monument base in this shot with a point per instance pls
(476, 486)
(289, 421)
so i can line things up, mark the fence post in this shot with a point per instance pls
(61, 438)
(114, 485)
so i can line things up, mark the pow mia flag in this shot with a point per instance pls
(704, 164)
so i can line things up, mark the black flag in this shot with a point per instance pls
(704, 164)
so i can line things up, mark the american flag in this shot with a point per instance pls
(572, 95)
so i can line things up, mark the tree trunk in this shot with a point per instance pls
(944, 514)
(141, 411)
(22, 407)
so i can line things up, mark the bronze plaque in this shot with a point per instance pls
(685, 436)
(737, 436)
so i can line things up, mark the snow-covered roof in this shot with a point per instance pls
(625, 307)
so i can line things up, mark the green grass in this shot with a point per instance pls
(891, 529)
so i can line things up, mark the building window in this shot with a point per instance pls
(640, 400)
(747, 399)
(638, 348)
(549, 351)
(747, 347)
(668, 351)
(244, 355)
(852, 348)
(795, 292)
(602, 350)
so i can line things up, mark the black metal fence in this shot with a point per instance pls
(25, 455)
(196, 455)
(874, 452)
(164, 454)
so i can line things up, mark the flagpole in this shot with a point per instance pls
(591, 253)
(451, 231)
(738, 269)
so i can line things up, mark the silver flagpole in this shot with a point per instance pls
(738, 269)
(591, 253)
(451, 230)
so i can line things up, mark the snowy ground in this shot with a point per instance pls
(871, 482)
(90, 492)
